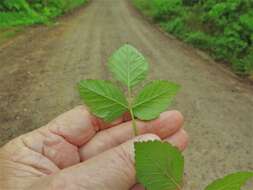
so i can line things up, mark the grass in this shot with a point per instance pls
(13, 21)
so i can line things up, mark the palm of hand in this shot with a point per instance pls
(78, 151)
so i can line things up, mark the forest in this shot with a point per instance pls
(223, 28)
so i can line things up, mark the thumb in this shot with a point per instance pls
(111, 170)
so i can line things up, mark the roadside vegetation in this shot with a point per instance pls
(15, 14)
(28, 12)
(222, 28)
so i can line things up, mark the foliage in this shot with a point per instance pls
(190, 2)
(130, 67)
(159, 165)
(175, 26)
(199, 39)
(231, 182)
(160, 9)
(16, 5)
(222, 28)
(245, 64)
(19, 18)
(103, 98)
(28, 12)
(154, 99)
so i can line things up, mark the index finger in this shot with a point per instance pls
(78, 125)
(60, 139)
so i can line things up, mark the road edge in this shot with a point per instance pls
(202, 54)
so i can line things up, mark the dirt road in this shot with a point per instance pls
(39, 71)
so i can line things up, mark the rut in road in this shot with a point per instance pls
(40, 69)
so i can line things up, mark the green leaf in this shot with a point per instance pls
(154, 99)
(103, 98)
(128, 65)
(159, 165)
(231, 182)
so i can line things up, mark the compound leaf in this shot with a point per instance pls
(128, 65)
(154, 99)
(103, 98)
(159, 165)
(231, 182)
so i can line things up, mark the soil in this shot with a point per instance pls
(40, 69)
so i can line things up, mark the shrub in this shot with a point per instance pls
(222, 27)
(190, 2)
(22, 12)
(8, 19)
(160, 9)
(199, 39)
(245, 64)
(175, 26)
(166, 8)
(247, 21)
(228, 45)
(16, 5)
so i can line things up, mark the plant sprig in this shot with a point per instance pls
(108, 102)
(159, 165)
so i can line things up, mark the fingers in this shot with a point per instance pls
(78, 126)
(19, 156)
(75, 126)
(138, 187)
(179, 139)
(59, 140)
(166, 125)
(111, 170)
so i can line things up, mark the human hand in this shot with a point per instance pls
(77, 151)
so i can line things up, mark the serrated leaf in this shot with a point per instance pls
(159, 165)
(154, 99)
(231, 182)
(103, 98)
(128, 65)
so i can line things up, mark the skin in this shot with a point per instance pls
(77, 151)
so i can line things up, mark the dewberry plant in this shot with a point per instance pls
(159, 165)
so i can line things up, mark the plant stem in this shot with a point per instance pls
(135, 130)
(133, 122)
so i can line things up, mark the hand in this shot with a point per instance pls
(77, 151)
